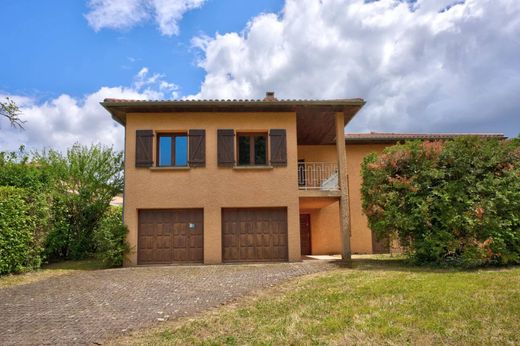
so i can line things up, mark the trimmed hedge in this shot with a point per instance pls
(23, 223)
(448, 203)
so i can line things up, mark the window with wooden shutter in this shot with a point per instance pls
(197, 148)
(251, 148)
(226, 147)
(143, 148)
(172, 149)
(278, 139)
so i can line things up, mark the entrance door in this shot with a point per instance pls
(305, 234)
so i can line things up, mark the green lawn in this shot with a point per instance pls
(375, 302)
(49, 271)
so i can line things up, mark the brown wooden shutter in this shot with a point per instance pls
(226, 147)
(278, 140)
(197, 145)
(143, 148)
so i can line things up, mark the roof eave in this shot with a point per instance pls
(428, 137)
(119, 108)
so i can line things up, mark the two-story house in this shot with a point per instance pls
(217, 181)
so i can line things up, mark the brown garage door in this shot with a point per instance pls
(170, 236)
(254, 234)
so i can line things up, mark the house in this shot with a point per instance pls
(216, 181)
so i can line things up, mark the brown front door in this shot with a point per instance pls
(305, 234)
(254, 234)
(170, 236)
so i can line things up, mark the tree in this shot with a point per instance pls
(454, 202)
(86, 180)
(11, 111)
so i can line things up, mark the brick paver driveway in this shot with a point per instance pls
(89, 306)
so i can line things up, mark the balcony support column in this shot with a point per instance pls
(343, 186)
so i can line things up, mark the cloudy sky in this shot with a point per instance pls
(422, 66)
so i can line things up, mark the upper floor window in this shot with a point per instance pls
(172, 149)
(252, 148)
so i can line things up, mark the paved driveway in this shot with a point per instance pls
(90, 306)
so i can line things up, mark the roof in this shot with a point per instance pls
(119, 107)
(315, 118)
(391, 137)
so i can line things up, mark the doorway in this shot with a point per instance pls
(305, 234)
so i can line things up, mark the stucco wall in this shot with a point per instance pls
(325, 227)
(212, 187)
(361, 233)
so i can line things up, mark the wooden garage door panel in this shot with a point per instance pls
(254, 234)
(165, 236)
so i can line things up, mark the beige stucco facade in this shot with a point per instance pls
(335, 210)
(211, 187)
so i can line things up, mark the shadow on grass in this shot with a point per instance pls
(402, 264)
(87, 264)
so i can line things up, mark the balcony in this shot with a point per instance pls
(318, 176)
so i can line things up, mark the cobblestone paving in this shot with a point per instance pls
(89, 306)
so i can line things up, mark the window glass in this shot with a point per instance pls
(165, 151)
(260, 150)
(181, 151)
(244, 150)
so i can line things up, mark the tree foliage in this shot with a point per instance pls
(85, 181)
(454, 202)
(57, 200)
(10, 110)
(110, 237)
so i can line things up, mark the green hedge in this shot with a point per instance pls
(23, 224)
(110, 238)
(454, 202)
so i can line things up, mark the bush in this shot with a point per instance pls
(23, 223)
(85, 181)
(18, 170)
(63, 195)
(110, 238)
(449, 203)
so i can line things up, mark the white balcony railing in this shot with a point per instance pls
(318, 176)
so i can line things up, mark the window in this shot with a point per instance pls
(252, 148)
(172, 149)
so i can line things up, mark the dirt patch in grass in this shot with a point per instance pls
(374, 302)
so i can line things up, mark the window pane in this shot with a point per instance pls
(260, 150)
(165, 151)
(244, 157)
(181, 151)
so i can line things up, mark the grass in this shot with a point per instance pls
(49, 271)
(375, 302)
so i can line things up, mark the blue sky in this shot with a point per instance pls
(430, 66)
(49, 48)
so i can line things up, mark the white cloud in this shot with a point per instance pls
(65, 120)
(125, 14)
(427, 66)
(154, 85)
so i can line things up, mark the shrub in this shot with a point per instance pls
(454, 202)
(110, 238)
(18, 170)
(66, 196)
(85, 181)
(23, 223)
